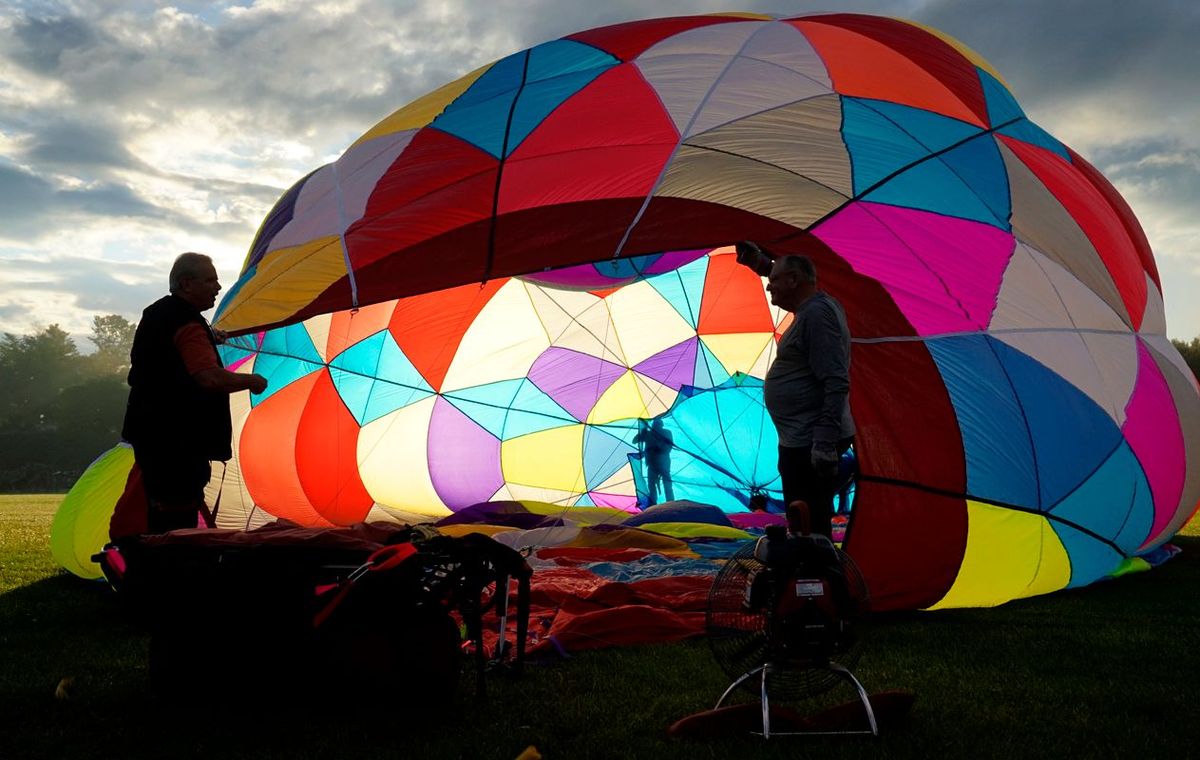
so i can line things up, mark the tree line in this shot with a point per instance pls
(60, 409)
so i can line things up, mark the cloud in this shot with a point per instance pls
(1102, 71)
(29, 204)
(42, 42)
(77, 145)
(130, 131)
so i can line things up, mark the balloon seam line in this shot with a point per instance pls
(990, 502)
(683, 135)
(867, 191)
(343, 223)
(503, 159)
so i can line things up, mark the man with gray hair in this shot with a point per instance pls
(807, 387)
(177, 418)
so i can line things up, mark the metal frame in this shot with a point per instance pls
(767, 668)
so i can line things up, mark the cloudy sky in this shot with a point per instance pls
(131, 131)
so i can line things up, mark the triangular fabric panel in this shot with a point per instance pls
(967, 182)
(1152, 429)
(885, 137)
(1099, 221)
(862, 67)
(285, 355)
(1002, 106)
(709, 371)
(574, 380)
(674, 366)
(734, 301)
(1070, 433)
(802, 138)
(1040, 219)
(510, 408)
(943, 273)
(1182, 383)
(480, 115)
(1026, 131)
(1010, 554)
(682, 289)
(375, 378)
(603, 455)
(1091, 559)
(1114, 503)
(948, 64)
(429, 328)
(996, 439)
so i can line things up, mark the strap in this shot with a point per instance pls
(386, 558)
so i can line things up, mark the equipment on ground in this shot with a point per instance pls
(282, 613)
(788, 609)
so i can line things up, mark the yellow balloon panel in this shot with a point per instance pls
(424, 109)
(1010, 555)
(551, 459)
(311, 268)
(622, 401)
(80, 527)
(738, 352)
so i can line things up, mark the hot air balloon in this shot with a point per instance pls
(491, 289)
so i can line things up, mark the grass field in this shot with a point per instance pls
(1109, 671)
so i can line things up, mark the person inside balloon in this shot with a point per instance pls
(177, 417)
(807, 387)
(656, 443)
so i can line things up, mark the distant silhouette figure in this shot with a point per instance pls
(656, 443)
(757, 502)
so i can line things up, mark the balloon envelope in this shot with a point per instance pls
(556, 226)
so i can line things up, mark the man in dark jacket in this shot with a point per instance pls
(177, 418)
(807, 387)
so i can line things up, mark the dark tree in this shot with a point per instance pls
(58, 409)
(34, 369)
(1191, 353)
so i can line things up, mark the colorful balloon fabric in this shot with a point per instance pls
(515, 390)
(80, 527)
(556, 226)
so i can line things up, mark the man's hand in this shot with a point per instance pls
(220, 336)
(825, 460)
(750, 255)
(258, 384)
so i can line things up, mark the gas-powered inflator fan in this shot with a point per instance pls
(787, 609)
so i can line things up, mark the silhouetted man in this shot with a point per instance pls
(807, 387)
(177, 417)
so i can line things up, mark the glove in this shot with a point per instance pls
(824, 460)
(750, 255)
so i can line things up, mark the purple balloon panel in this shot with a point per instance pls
(464, 459)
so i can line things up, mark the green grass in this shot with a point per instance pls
(1107, 671)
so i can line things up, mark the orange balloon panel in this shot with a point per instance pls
(734, 301)
(327, 456)
(266, 452)
(304, 461)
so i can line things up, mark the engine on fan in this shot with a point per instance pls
(801, 588)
